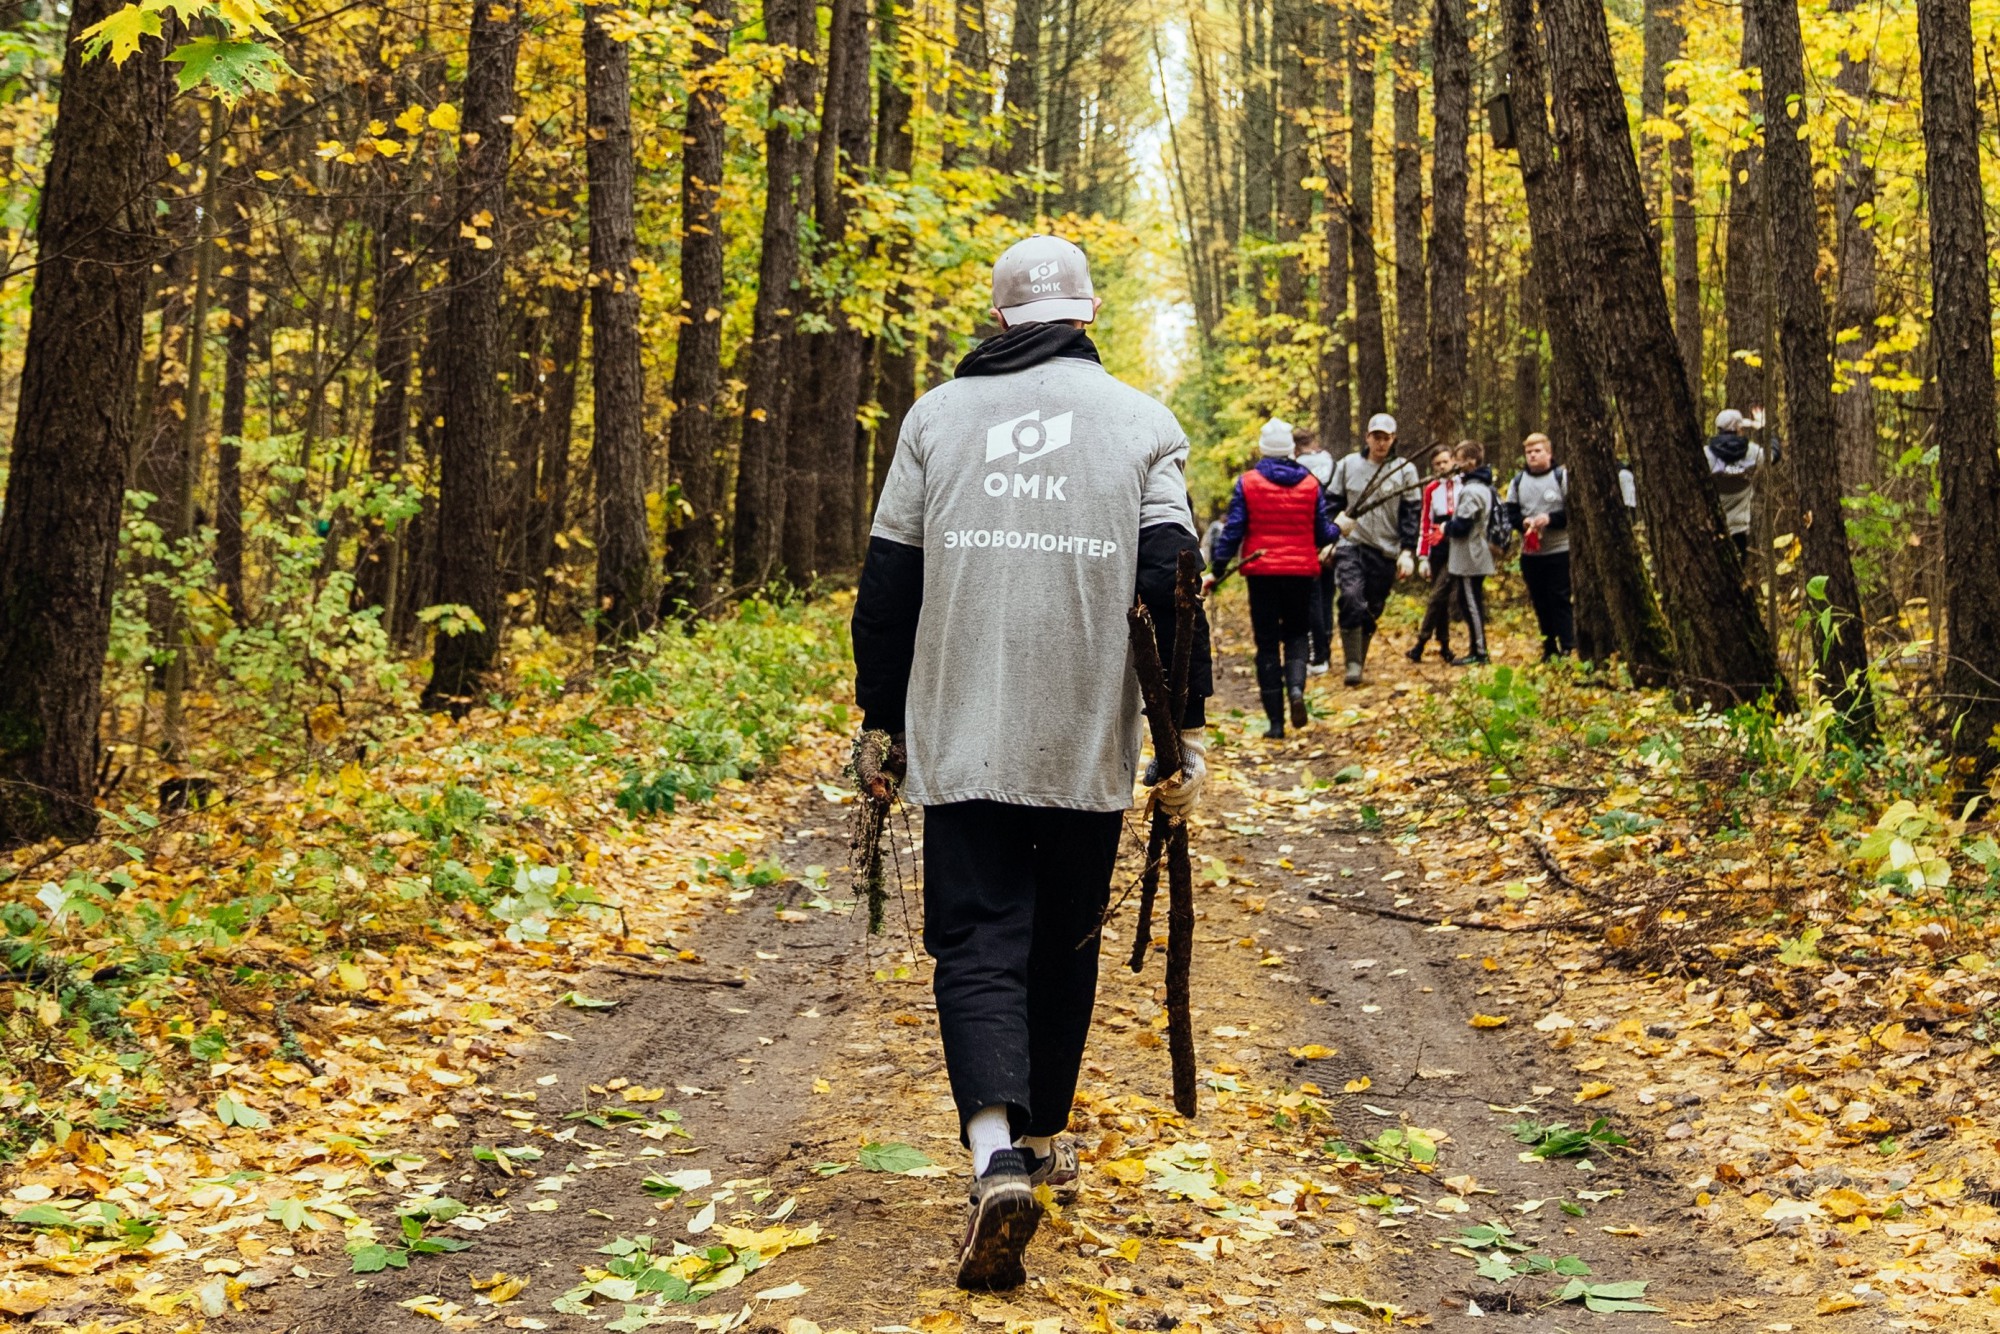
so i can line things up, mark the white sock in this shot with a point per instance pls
(1039, 1145)
(988, 1132)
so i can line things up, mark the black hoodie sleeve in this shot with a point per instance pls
(1160, 548)
(886, 608)
(1409, 523)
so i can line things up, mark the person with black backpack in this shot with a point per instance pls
(1536, 508)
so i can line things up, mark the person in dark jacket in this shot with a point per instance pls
(1537, 507)
(1030, 499)
(1471, 553)
(1278, 516)
(1735, 459)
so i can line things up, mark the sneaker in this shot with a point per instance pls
(1004, 1216)
(1320, 668)
(1298, 698)
(1471, 660)
(1056, 1171)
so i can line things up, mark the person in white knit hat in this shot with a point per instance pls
(1278, 518)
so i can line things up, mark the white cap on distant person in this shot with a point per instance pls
(1729, 421)
(1381, 424)
(1041, 280)
(1275, 440)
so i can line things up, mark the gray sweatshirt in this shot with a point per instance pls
(1543, 495)
(1027, 492)
(1472, 554)
(1375, 516)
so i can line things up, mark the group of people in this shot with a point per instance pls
(1320, 542)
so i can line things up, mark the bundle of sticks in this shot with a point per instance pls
(1167, 843)
(877, 760)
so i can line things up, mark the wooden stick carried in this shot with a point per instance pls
(1165, 706)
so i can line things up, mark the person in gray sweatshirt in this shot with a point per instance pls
(1735, 460)
(1378, 493)
(1471, 553)
(1537, 508)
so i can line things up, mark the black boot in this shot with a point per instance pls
(1274, 709)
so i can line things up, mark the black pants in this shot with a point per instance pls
(1443, 601)
(1322, 616)
(1547, 577)
(1365, 577)
(1742, 541)
(1014, 897)
(1471, 597)
(1281, 619)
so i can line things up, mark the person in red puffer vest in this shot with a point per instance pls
(1279, 520)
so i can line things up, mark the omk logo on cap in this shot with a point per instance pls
(1039, 277)
(1027, 437)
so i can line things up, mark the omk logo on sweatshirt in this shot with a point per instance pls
(1027, 438)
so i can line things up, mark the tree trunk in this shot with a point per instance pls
(837, 354)
(398, 308)
(1451, 72)
(1412, 326)
(769, 380)
(550, 508)
(1725, 654)
(970, 96)
(694, 445)
(471, 364)
(895, 372)
(1745, 310)
(1336, 399)
(1371, 353)
(625, 601)
(1259, 122)
(1297, 105)
(1606, 545)
(1020, 145)
(1962, 330)
(229, 456)
(1687, 236)
(1807, 352)
(1660, 45)
(72, 432)
(1854, 303)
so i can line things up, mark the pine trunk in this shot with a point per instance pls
(1744, 295)
(1020, 147)
(1807, 358)
(769, 381)
(549, 508)
(694, 444)
(471, 364)
(1610, 568)
(1854, 302)
(1687, 235)
(229, 455)
(625, 601)
(895, 372)
(72, 432)
(1412, 326)
(1371, 353)
(1962, 329)
(1297, 104)
(1451, 72)
(1336, 401)
(1725, 654)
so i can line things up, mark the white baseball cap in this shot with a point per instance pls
(1381, 423)
(1729, 420)
(1041, 280)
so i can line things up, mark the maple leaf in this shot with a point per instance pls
(119, 33)
(231, 67)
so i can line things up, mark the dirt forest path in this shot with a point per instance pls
(1337, 976)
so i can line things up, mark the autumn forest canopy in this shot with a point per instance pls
(439, 446)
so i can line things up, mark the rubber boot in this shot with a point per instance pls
(1274, 709)
(1354, 639)
(1295, 682)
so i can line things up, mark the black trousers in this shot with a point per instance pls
(1281, 622)
(1322, 616)
(1365, 577)
(1547, 577)
(1443, 601)
(1014, 898)
(1471, 598)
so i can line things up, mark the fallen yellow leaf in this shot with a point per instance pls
(1312, 1051)
(1489, 1020)
(1360, 1085)
(1591, 1090)
(636, 1094)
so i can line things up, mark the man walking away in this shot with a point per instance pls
(1278, 515)
(1735, 459)
(1434, 554)
(1471, 553)
(1030, 498)
(1536, 507)
(1379, 493)
(1308, 450)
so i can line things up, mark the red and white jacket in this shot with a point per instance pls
(1440, 494)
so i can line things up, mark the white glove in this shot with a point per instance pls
(1424, 567)
(1341, 521)
(1181, 795)
(1406, 565)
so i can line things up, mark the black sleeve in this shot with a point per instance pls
(886, 608)
(1409, 522)
(1558, 518)
(1456, 526)
(1160, 548)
